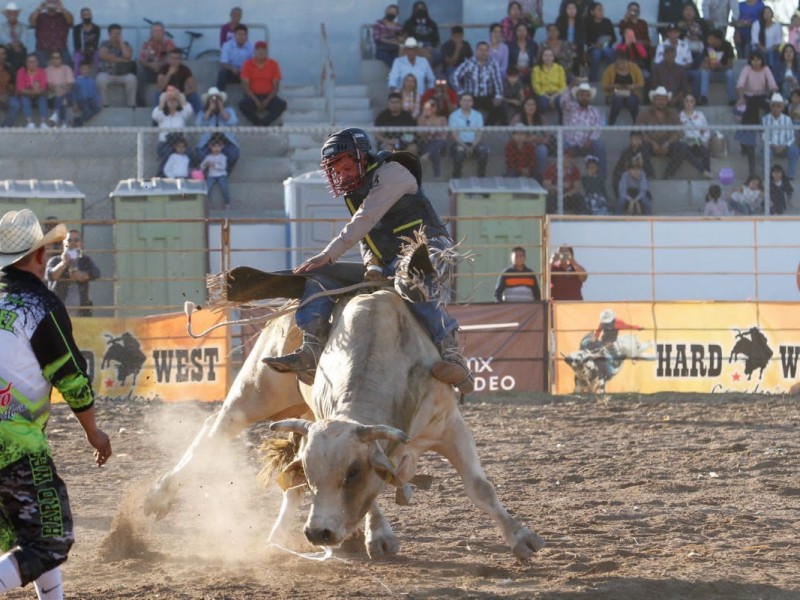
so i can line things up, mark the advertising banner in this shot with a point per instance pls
(705, 347)
(153, 357)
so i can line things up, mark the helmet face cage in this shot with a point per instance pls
(344, 160)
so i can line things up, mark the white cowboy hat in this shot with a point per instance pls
(777, 99)
(213, 91)
(411, 43)
(584, 87)
(11, 7)
(660, 91)
(21, 234)
(607, 316)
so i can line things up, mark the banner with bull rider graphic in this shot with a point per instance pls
(154, 358)
(709, 347)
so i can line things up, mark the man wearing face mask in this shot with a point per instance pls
(425, 30)
(386, 33)
(85, 40)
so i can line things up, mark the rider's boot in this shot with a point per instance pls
(453, 367)
(303, 361)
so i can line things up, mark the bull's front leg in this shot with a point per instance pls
(458, 447)
(380, 540)
(285, 528)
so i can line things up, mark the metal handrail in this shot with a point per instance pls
(327, 77)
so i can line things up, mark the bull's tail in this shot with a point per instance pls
(277, 453)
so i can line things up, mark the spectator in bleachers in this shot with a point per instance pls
(411, 63)
(466, 123)
(637, 52)
(520, 154)
(480, 77)
(532, 10)
(695, 31)
(793, 107)
(410, 95)
(530, 118)
(216, 114)
(665, 143)
(513, 95)
(779, 133)
(583, 123)
(386, 33)
(623, 83)
(794, 30)
(583, 8)
(767, 36)
(634, 191)
(179, 76)
(522, 52)
(549, 82)
(748, 138)
(60, 84)
(31, 86)
(640, 28)
(455, 50)
(178, 161)
(12, 36)
(749, 13)
(669, 11)
(780, 190)
(261, 80)
(567, 275)
(518, 282)
(172, 112)
(563, 50)
(8, 98)
(116, 66)
(498, 49)
(672, 77)
(235, 52)
(636, 147)
(719, 13)
(696, 135)
(152, 56)
(683, 58)
(432, 145)
(422, 28)
(445, 97)
(573, 192)
(511, 20)
(87, 96)
(594, 188)
(787, 71)
(51, 22)
(600, 40)
(717, 63)
(748, 199)
(715, 204)
(228, 30)
(395, 116)
(215, 167)
(572, 29)
(756, 83)
(68, 274)
(85, 40)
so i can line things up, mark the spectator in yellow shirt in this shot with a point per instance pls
(549, 81)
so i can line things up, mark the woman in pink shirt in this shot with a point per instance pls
(756, 83)
(60, 81)
(32, 87)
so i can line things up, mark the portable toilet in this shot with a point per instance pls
(160, 239)
(315, 217)
(51, 200)
(493, 215)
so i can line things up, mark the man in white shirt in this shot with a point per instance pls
(778, 133)
(683, 53)
(411, 63)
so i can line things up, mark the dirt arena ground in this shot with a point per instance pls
(658, 497)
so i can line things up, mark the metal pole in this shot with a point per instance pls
(560, 170)
(140, 154)
(765, 139)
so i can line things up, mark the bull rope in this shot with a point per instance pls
(190, 307)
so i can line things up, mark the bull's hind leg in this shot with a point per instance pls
(380, 540)
(458, 446)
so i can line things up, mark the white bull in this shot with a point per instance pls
(377, 409)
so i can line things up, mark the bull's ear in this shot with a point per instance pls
(300, 426)
(382, 465)
(370, 433)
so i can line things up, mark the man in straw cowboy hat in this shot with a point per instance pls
(583, 123)
(37, 352)
(663, 142)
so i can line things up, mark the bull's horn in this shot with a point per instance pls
(370, 433)
(300, 426)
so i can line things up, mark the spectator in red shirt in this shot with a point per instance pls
(226, 31)
(445, 97)
(152, 57)
(52, 22)
(261, 78)
(566, 275)
(520, 154)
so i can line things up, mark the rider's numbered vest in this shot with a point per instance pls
(409, 213)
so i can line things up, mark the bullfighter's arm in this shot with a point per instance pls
(619, 325)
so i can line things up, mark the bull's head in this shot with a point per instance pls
(346, 468)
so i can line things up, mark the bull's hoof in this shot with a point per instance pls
(383, 545)
(160, 500)
(527, 544)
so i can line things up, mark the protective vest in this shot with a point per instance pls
(409, 213)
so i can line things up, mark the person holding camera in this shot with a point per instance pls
(567, 276)
(216, 114)
(68, 275)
